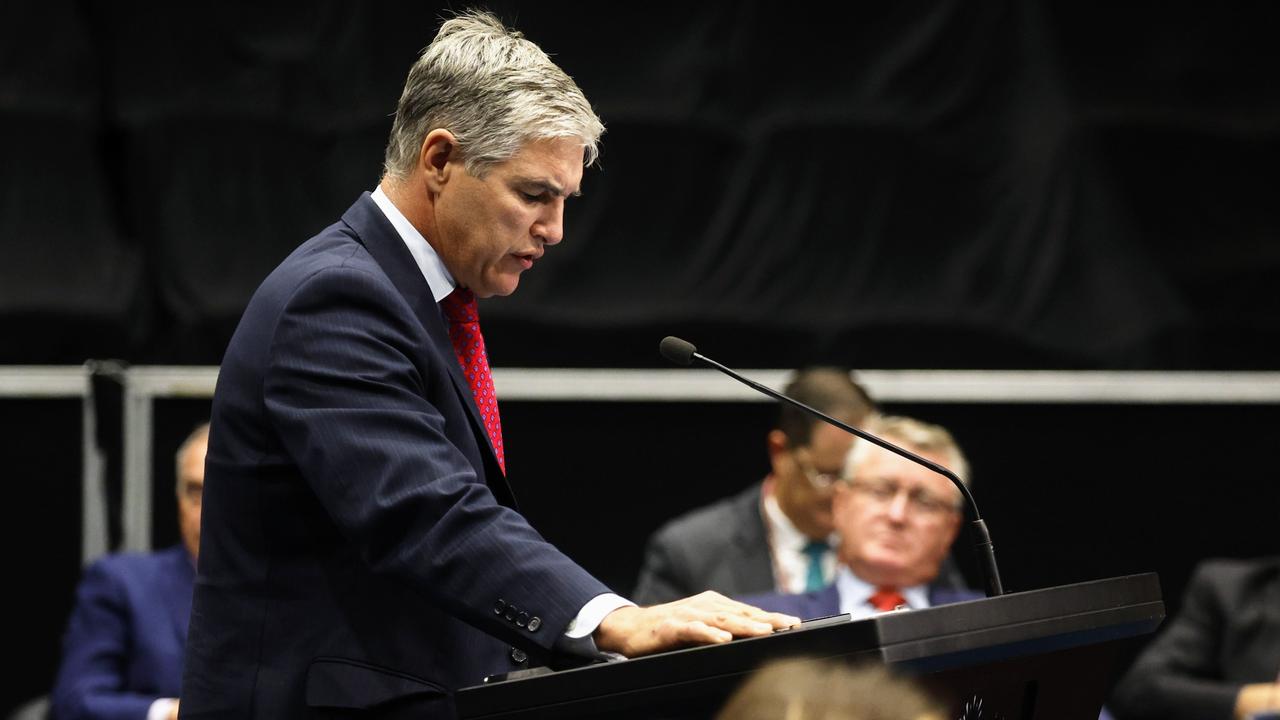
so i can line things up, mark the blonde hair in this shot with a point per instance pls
(916, 436)
(811, 689)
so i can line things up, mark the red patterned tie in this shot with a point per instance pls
(885, 599)
(468, 344)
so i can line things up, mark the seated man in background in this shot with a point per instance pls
(897, 521)
(1219, 658)
(776, 535)
(122, 653)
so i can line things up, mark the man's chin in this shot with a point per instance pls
(889, 566)
(502, 288)
(504, 285)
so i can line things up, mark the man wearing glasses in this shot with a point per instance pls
(777, 535)
(897, 521)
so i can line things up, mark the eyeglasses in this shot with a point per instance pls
(922, 501)
(820, 480)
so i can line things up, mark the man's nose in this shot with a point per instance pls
(550, 226)
(898, 506)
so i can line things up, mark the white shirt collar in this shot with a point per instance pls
(783, 532)
(854, 593)
(428, 260)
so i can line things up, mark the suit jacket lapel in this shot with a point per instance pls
(375, 231)
(754, 567)
(824, 602)
(941, 594)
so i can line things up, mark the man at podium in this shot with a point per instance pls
(896, 520)
(361, 554)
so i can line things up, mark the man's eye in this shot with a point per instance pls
(531, 197)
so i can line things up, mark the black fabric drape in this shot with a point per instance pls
(918, 184)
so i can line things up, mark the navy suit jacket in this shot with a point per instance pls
(123, 645)
(824, 602)
(360, 549)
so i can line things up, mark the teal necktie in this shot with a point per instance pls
(815, 551)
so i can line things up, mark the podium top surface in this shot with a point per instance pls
(917, 641)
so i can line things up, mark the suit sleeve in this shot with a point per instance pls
(347, 391)
(92, 679)
(1177, 676)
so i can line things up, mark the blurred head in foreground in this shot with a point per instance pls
(801, 689)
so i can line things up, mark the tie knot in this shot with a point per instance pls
(460, 306)
(886, 598)
(815, 549)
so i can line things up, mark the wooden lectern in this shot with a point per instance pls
(1045, 655)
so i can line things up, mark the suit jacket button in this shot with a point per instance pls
(510, 614)
(522, 619)
(499, 606)
(518, 656)
(535, 622)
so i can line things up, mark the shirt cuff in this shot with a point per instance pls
(593, 613)
(161, 708)
(577, 637)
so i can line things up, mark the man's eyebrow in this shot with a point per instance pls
(550, 187)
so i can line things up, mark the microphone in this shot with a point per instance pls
(682, 352)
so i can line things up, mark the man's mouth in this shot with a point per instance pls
(526, 259)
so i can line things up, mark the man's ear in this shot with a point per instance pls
(840, 499)
(776, 442)
(438, 158)
(956, 520)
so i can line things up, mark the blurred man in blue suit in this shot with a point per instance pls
(897, 521)
(122, 654)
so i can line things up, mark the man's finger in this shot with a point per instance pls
(739, 625)
(779, 620)
(696, 631)
(722, 604)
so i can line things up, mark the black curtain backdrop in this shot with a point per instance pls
(910, 184)
(1006, 184)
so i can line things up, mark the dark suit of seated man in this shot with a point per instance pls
(897, 521)
(122, 653)
(1219, 658)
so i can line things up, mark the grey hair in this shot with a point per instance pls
(494, 90)
(200, 433)
(916, 436)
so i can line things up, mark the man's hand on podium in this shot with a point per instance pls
(704, 619)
